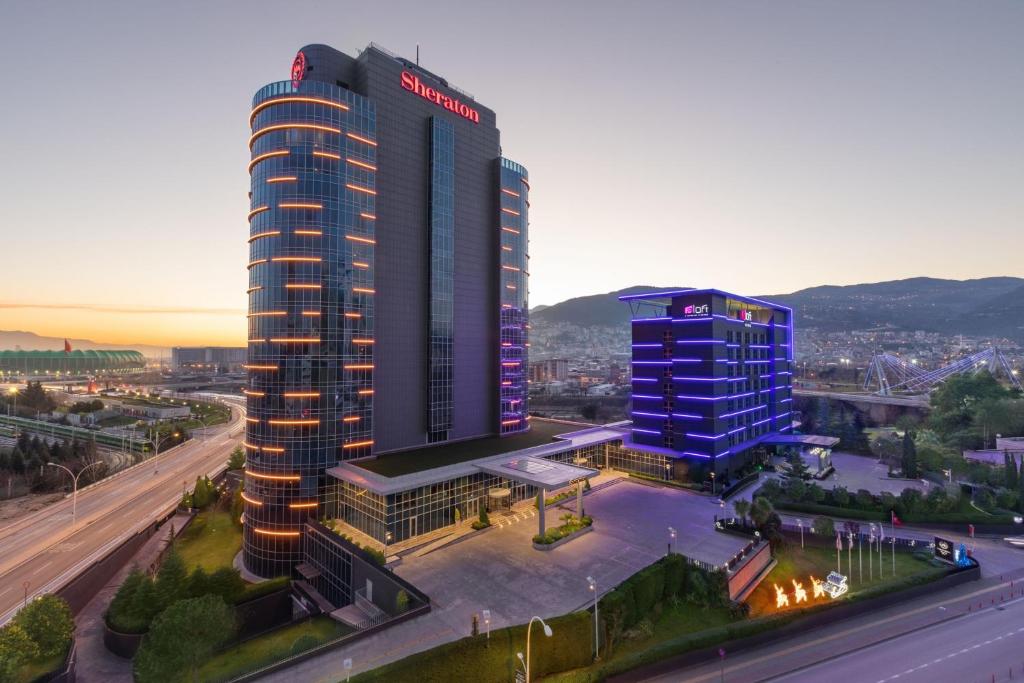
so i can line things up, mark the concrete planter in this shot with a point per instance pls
(566, 539)
(124, 645)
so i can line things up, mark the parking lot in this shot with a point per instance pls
(857, 472)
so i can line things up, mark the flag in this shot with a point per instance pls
(839, 541)
(67, 346)
(881, 533)
(896, 521)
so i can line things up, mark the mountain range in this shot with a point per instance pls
(992, 306)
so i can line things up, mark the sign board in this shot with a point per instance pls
(945, 550)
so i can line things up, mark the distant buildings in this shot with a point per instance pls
(208, 358)
(552, 370)
(76, 362)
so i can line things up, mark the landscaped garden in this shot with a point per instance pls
(271, 647)
(211, 541)
(804, 565)
(570, 525)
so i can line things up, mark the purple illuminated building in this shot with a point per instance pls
(712, 377)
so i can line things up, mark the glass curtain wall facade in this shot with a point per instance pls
(310, 346)
(441, 365)
(712, 377)
(513, 221)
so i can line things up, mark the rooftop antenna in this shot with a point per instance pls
(417, 54)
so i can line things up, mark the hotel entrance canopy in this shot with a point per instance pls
(544, 474)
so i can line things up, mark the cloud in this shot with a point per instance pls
(100, 308)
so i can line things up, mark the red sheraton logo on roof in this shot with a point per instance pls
(412, 83)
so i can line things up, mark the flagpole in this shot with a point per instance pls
(849, 551)
(860, 559)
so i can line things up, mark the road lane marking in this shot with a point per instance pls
(41, 567)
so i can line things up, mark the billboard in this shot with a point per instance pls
(945, 550)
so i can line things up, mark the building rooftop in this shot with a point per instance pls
(429, 457)
(548, 437)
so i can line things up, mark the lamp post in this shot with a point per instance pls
(593, 589)
(13, 391)
(712, 483)
(800, 523)
(387, 540)
(487, 625)
(156, 448)
(529, 627)
(671, 540)
(74, 488)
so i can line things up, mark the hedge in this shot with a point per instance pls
(475, 659)
(878, 516)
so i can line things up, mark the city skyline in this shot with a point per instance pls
(891, 125)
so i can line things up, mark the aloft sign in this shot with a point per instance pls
(413, 84)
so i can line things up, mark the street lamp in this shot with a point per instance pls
(156, 449)
(74, 489)
(13, 391)
(593, 589)
(529, 627)
(712, 483)
(800, 523)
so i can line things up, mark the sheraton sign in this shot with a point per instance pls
(413, 84)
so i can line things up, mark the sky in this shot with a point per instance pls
(759, 147)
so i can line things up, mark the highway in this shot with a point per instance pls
(43, 551)
(910, 401)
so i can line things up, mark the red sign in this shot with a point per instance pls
(413, 84)
(298, 68)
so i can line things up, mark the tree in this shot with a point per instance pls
(865, 500)
(237, 506)
(237, 459)
(841, 496)
(742, 508)
(797, 466)
(198, 583)
(760, 510)
(171, 579)
(48, 622)
(1010, 472)
(908, 462)
(823, 526)
(484, 519)
(815, 493)
(16, 648)
(200, 494)
(795, 489)
(182, 637)
(227, 583)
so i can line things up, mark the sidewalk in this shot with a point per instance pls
(95, 662)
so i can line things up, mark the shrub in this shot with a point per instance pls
(227, 583)
(815, 493)
(182, 637)
(16, 648)
(120, 615)
(401, 601)
(648, 586)
(841, 496)
(911, 499)
(675, 574)
(237, 459)
(864, 499)
(171, 579)
(824, 526)
(48, 622)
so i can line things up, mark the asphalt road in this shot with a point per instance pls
(973, 648)
(43, 550)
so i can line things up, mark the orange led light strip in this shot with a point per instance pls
(299, 205)
(283, 179)
(368, 216)
(300, 285)
(299, 506)
(510, 192)
(288, 126)
(254, 289)
(364, 240)
(510, 422)
(360, 264)
(256, 262)
(253, 393)
(359, 367)
(301, 394)
(250, 446)
(328, 155)
(269, 233)
(512, 230)
(310, 313)
(300, 259)
(363, 290)
(365, 392)
(312, 233)
(251, 501)
(514, 213)
(264, 313)
(252, 419)
(295, 340)
(274, 477)
(353, 315)
(359, 188)
(258, 209)
(292, 98)
(273, 449)
(510, 268)
(293, 422)
(362, 341)
(268, 155)
(351, 418)
(360, 138)
(361, 164)
(260, 367)
(267, 532)
(357, 444)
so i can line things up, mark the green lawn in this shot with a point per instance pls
(801, 564)
(270, 647)
(211, 541)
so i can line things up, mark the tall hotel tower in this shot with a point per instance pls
(387, 281)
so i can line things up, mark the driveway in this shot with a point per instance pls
(499, 570)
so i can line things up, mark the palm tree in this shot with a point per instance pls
(761, 510)
(742, 508)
